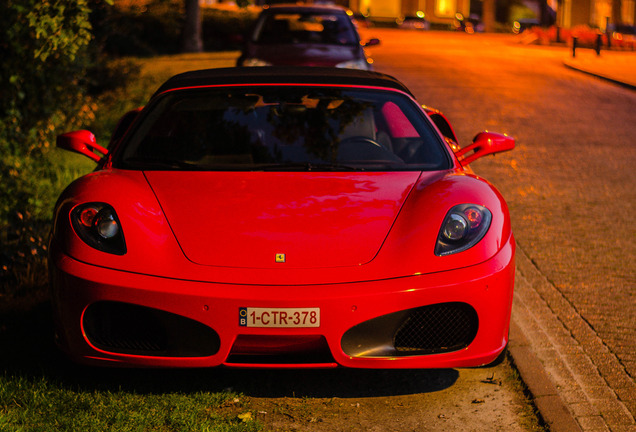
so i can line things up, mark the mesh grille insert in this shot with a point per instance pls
(437, 328)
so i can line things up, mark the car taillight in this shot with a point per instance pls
(98, 226)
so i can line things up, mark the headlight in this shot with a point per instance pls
(463, 227)
(255, 62)
(98, 226)
(354, 64)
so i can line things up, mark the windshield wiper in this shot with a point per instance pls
(159, 163)
(306, 166)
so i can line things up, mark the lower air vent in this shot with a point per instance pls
(130, 329)
(432, 329)
(437, 328)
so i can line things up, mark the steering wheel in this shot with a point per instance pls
(361, 148)
(360, 139)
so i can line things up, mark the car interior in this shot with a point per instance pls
(254, 131)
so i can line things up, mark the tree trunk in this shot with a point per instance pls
(191, 35)
(488, 15)
(616, 12)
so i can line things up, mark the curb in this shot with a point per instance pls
(545, 395)
(599, 75)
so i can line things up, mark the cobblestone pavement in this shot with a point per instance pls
(579, 373)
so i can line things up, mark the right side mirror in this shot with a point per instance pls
(483, 144)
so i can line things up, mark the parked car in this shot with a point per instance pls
(524, 24)
(415, 22)
(305, 35)
(282, 217)
(622, 36)
(470, 24)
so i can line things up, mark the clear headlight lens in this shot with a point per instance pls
(464, 226)
(255, 62)
(455, 228)
(355, 64)
(98, 226)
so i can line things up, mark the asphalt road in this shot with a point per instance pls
(570, 183)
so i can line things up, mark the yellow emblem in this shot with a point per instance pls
(280, 258)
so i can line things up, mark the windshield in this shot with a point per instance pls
(278, 128)
(306, 27)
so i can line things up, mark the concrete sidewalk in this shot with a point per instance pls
(615, 66)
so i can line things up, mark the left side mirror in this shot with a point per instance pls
(82, 142)
(485, 143)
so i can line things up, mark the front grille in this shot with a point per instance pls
(131, 329)
(436, 328)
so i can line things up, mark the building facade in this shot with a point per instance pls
(570, 13)
(435, 11)
(595, 13)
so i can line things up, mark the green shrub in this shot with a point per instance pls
(44, 46)
(57, 69)
(45, 55)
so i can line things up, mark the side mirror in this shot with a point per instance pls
(82, 142)
(371, 42)
(483, 144)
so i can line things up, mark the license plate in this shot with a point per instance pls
(279, 317)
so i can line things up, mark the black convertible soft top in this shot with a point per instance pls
(281, 75)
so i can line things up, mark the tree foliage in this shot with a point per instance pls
(44, 49)
(44, 44)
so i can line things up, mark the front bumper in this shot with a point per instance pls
(98, 311)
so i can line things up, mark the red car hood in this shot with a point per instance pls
(305, 54)
(249, 219)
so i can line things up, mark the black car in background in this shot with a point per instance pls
(305, 35)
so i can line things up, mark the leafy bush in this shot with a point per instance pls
(57, 69)
(45, 44)
(45, 56)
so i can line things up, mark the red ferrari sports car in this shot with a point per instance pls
(296, 217)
